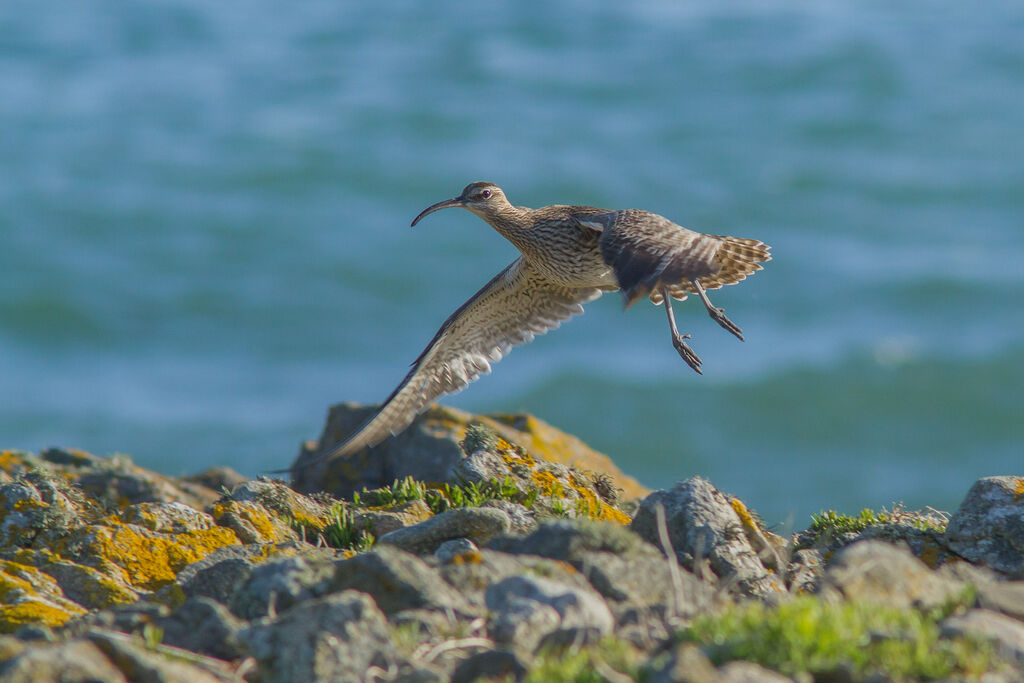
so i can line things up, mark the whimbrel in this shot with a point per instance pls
(569, 255)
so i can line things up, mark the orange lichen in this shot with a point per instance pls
(746, 519)
(1018, 489)
(547, 483)
(468, 557)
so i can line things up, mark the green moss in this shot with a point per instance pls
(588, 664)
(808, 635)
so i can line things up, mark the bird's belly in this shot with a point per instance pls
(584, 271)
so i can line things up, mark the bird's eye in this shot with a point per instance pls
(486, 194)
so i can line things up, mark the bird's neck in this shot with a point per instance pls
(514, 223)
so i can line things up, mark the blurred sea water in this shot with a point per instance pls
(204, 228)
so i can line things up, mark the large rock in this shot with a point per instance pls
(988, 527)
(74, 661)
(429, 448)
(1005, 633)
(527, 609)
(876, 571)
(478, 524)
(704, 523)
(398, 581)
(334, 638)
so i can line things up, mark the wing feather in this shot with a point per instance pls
(516, 305)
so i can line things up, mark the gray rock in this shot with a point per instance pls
(171, 517)
(569, 540)
(1002, 596)
(203, 625)
(382, 522)
(479, 466)
(702, 523)
(479, 524)
(471, 574)
(37, 506)
(523, 520)
(685, 664)
(1005, 632)
(142, 665)
(334, 638)
(988, 527)
(449, 550)
(278, 584)
(876, 571)
(498, 664)
(526, 609)
(748, 672)
(221, 572)
(76, 661)
(645, 580)
(397, 580)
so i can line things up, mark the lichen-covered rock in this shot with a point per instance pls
(84, 585)
(222, 572)
(988, 527)
(458, 547)
(382, 522)
(38, 506)
(142, 558)
(28, 596)
(429, 448)
(398, 581)
(173, 517)
(875, 571)
(479, 524)
(334, 638)
(702, 522)
(252, 522)
(528, 609)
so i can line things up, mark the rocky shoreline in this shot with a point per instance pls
(476, 547)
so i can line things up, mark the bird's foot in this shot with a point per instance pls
(719, 316)
(687, 353)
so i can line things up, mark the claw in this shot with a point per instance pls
(717, 314)
(687, 353)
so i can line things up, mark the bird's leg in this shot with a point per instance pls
(682, 347)
(717, 314)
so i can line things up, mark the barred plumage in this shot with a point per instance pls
(570, 255)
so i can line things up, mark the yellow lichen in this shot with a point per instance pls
(468, 557)
(13, 617)
(746, 519)
(547, 483)
(150, 561)
(1018, 489)
(10, 459)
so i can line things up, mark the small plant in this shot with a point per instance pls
(341, 531)
(478, 437)
(558, 508)
(474, 494)
(612, 659)
(865, 640)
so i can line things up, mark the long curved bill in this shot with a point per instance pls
(446, 204)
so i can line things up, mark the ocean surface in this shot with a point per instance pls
(205, 241)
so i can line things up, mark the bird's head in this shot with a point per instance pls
(483, 199)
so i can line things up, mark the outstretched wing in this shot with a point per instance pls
(510, 310)
(649, 252)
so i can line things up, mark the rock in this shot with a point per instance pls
(381, 522)
(702, 522)
(498, 664)
(685, 664)
(278, 584)
(429, 448)
(222, 479)
(472, 573)
(449, 550)
(75, 661)
(748, 672)
(335, 637)
(252, 522)
(1002, 596)
(281, 499)
(522, 519)
(86, 586)
(171, 517)
(203, 625)
(142, 664)
(1005, 632)
(397, 581)
(527, 609)
(988, 527)
(37, 506)
(876, 571)
(568, 540)
(219, 574)
(479, 524)
(31, 597)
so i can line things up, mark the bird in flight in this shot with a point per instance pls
(569, 255)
